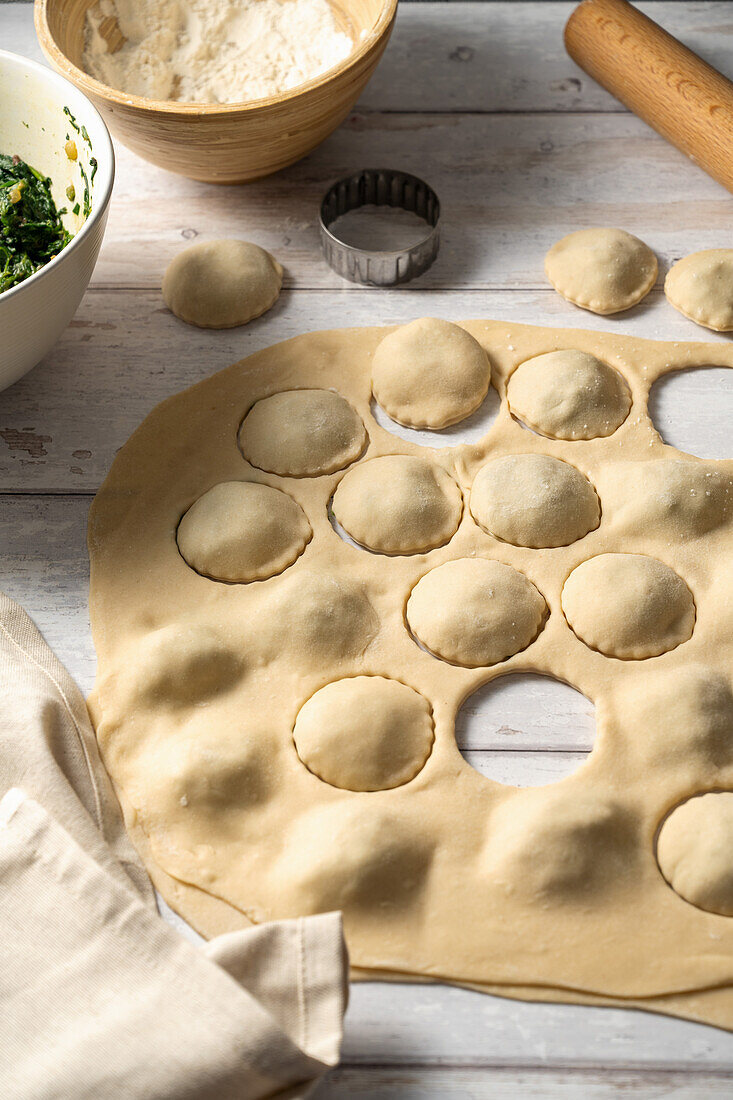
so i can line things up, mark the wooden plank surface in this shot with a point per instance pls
(61, 425)
(450, 57)
(522, 147)
(512, 1084)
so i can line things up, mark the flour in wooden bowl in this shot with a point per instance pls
(206, 51)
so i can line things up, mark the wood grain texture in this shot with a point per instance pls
(413, 1083)
(124, 352)
(686, 100)
(436, 103)
(456, 56)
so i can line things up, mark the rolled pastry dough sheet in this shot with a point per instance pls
(549, 892)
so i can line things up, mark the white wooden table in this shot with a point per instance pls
(480, 99)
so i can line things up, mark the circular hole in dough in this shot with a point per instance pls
(628, 606)
(559, 845)
(695, 851)
(693, 410)
(673, 498)
(700, 286)
(602, 270)
(221, 284)
(534, 500)
(430, 374)
(242, 531)
(398, 504)
(470, 430)
(569, 395)
(316, 617)
(475, 611)
(347, 855)
(302, 433)
(181, 666)
(365, 733)
(526, 713)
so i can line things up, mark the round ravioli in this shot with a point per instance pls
(602, 270)
(569, 395)
(628, 606)
(701, 287)
(475, 611)
(534, 500)
(398, 504)
(221, 284)
(695, 851)
(430, 374)
(242, 531)
(365, 733)
(302, 433)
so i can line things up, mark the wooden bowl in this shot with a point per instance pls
(224, 143)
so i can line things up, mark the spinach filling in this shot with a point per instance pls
(31, 230)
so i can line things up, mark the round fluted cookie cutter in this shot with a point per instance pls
(380, 187)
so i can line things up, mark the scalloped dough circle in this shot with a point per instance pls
(430, 374)
(534, 500)
(603, 270)
(569, 395)
(398, 504)
(302, 433)
(700, 286)
(365, 733)
(221, 284)
(695, 851)
(628, 606)
(475, 611)
(241, 531)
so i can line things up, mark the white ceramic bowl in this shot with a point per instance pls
(33, 125)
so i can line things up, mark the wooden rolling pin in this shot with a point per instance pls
(683, 98)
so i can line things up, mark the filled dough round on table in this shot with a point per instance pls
(700, 286)
(430, 374)
(534, 500)
(628, 606)
(695, 851)
(602, 270)
(475, 611)
(221, 284)
(398, 504)
(569, 395)
(242, 531)
(302, 433)
(365, 733)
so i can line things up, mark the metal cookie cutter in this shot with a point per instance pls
(380, 187)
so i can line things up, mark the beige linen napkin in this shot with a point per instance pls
(99, 997)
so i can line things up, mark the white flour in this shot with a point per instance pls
(213, 51)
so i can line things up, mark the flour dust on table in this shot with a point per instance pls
(276, 705)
